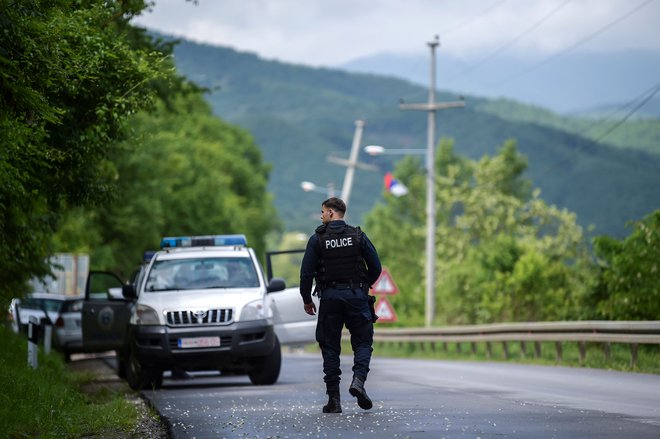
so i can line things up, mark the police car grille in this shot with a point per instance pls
(195, 317)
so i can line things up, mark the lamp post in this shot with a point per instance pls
(352, 162)
(431, 107)
(308, 186)
(376, 150)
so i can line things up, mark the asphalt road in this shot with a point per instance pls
(417, 399)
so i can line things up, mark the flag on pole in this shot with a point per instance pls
(394, 186)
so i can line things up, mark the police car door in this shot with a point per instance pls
(105, 313)
(292, 324)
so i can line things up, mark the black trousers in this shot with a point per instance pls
(344, 307)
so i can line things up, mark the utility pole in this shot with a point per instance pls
(352, 162)
(431, 107)
(331, 189)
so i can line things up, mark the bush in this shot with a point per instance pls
(45, 402)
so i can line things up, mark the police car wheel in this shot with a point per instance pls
(140, 377)
(121, 364)
(267, 369)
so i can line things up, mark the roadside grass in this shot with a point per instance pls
(648, 356)
(48, 401)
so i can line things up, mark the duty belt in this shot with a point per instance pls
(343, 285)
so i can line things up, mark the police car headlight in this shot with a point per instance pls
(253, 311)
(146, 315)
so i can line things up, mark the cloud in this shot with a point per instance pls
(330, 33)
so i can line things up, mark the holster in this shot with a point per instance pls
(372, 308)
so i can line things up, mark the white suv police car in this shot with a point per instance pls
(200, 303)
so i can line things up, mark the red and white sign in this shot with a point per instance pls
(384, 311)
(385, 284)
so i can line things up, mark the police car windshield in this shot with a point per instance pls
(202, 273)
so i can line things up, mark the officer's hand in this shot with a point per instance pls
(310, 308)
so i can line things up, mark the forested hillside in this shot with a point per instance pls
(619, 126)
(299, 115)
(576, 83)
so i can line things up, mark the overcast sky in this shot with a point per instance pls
(333, 32)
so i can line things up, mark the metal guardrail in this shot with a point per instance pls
(633, 333)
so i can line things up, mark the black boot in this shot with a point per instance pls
(357, 390)
(333, 405)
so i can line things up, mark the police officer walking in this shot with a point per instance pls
(345, 264)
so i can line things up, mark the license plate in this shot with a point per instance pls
(199, 342)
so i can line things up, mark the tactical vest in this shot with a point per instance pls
(340, 259)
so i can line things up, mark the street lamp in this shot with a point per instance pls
(308, 186)
(376, 150)
(352, 162)
(431, 107)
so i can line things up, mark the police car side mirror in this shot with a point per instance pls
(276, 284)
(128, 291)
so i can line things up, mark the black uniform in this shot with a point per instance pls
(345, 265)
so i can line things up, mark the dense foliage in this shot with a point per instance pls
(103, 142)
(629, 281)
(69, 78)
(503, 254)
(184, 172)
(636, 133)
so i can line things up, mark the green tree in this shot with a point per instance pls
(69, 78)
(184, 172)
(502, 253)
(396, 228)
(629, 273)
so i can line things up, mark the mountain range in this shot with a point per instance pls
(572, 84)
(300, 115)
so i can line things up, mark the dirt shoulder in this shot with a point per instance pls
(104, 380)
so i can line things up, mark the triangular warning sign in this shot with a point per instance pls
(385, 284)
(384, 311)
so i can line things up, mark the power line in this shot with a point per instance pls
(511, 42)
(617, 110)
(643, 99)
(649, 95)
(651, 92)
(415, 67)
(469, 20)
(575, 45)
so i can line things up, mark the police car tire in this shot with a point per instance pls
(140, 377)
(267, 369)
(121, 364)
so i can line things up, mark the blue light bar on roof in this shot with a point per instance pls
(203, 241)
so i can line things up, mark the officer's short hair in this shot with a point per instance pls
(335, 203)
